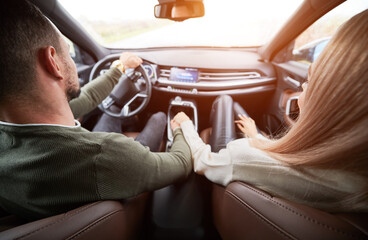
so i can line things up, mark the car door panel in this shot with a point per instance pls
(290, 76)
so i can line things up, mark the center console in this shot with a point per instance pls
(178, 105)
(179, 211)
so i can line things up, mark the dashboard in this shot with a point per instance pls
(198, 75)
(208, 72)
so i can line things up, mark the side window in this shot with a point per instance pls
(83, 61)
(312, 41)
(74, 51)
(79, 56)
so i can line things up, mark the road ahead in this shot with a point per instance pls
(201, 33)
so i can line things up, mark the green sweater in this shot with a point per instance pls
(50, 169)
(94, 92)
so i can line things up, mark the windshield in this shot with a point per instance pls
(230, 23)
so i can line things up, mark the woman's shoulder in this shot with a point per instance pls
(241, 150)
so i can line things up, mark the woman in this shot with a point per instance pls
(322, 161)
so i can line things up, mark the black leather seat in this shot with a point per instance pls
(99, 220)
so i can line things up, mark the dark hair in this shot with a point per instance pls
(23, 31)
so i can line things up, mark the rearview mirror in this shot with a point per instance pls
(179, 11)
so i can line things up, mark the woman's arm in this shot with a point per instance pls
(217, 167)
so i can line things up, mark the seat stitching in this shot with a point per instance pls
(255, 190)
(300, 214)
(259, 216)
(60, 220)
(89, 227)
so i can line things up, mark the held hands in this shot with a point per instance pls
(247, 126)
(130, 60)
(178, 119)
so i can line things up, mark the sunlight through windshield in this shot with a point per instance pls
(230, 23)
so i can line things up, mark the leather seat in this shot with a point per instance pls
(241, 211)
(99, 220)
(103, 219)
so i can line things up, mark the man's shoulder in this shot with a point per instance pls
(54, 133)
(62, 139)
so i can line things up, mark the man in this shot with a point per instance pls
(48, 163)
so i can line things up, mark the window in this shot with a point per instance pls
(231, 23)
(312, 41)
(71, 48)
(74, 51)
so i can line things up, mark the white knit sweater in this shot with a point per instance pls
(324, 189)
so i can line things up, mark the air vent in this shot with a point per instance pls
(165, 73)
(227, 76)
(217, 76)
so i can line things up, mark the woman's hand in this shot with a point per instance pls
(247, 126)
(181, 117)
(178, 119)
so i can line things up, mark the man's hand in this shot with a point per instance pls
(181, 117)
(174, 125)
(130, 60)
(247, 126)
(178, 119)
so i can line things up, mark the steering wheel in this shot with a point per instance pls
(133, 88)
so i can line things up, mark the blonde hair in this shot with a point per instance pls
(332, 129)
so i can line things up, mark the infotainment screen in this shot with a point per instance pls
(184, 75)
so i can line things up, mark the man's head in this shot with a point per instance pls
(26, 38)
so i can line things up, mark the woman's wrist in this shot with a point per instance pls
(183, 121)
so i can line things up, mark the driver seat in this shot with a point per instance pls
(98, 220)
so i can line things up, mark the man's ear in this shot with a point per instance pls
(51, 63)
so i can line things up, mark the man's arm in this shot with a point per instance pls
(127, 169)
(94, 92)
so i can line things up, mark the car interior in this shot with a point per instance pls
(265, 80)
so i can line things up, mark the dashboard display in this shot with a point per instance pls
(149, 70)
(189, 75)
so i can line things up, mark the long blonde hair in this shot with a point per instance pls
(332, 130)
